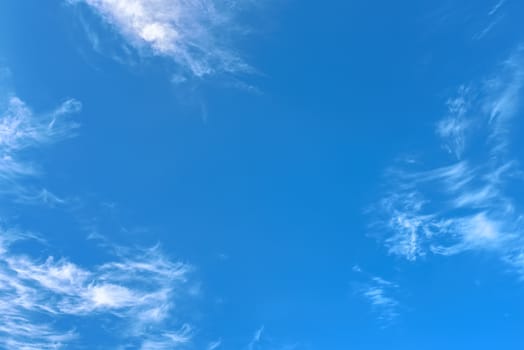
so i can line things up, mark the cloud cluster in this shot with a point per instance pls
(46, 301)
(193, 33)
(136, 292)
(467, 204)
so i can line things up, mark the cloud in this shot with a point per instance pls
(168, 340)
(494, 17)
(21, 130)
(496, 7)
(214, 345)
(261, 340)
(135, 291)
(452, 129)
(256, 338)
(488, 28)
(466, 205)
(44, 196)
(382, 303)
(53, 302)
(502, 99)
(192, 33)
(379, 293)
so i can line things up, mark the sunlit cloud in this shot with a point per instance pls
(195, 34)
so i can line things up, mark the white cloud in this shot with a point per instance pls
(35, 337)
(516, 260)
(464, 206)
(214, 345)
(22, 130)
(111, 296)
(494, 17)
(496, 7)
(501, 100)
(379, 299)
(44, 196)
(137, 291)
(256, 338)
(452, 129)
(379, 292)
(488, 28)
(193, 33)
(168, 340)
(46, 302)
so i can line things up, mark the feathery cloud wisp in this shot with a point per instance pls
(22, 130)
(45, 302)
(193, 33)
(381, 302)
(379, 293)
(135, 291)
(256, 338)
(214, 345)
(464, 206)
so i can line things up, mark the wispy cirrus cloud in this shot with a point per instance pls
(21, 131)
(253, 344)
(44, 196)
(261, 340)
(214, 344)
(380, 294)
(193, 33)
(494, 17)
(50, 302)
(466, 205)
(135, 291)
(20, 128)
(452, 129)
(496, 7)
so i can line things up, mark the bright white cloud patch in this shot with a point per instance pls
(193, 33)
(465, 205)
(136, 292)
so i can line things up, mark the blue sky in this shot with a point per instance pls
(241, 175)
